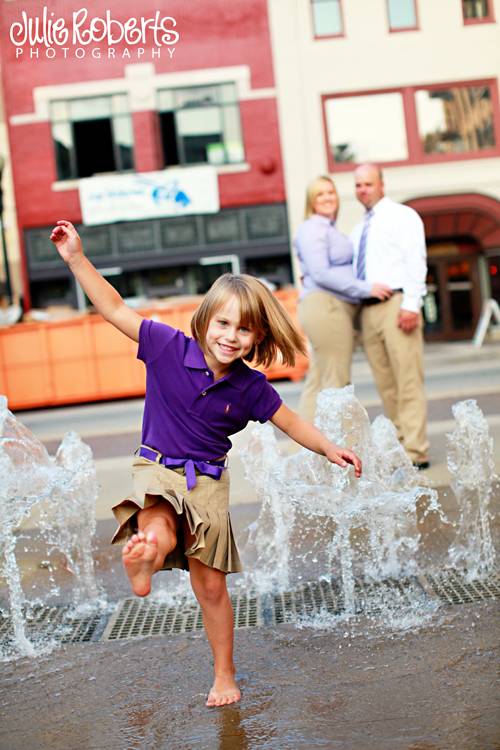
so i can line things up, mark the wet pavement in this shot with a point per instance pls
(360, 684)
(435, 689)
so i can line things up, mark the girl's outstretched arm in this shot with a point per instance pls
(104, 297)
(310, 437)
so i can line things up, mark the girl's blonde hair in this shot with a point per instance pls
(312, 191)
(260, 311)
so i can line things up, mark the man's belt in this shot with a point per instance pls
(376, 300)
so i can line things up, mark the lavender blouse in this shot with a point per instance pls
(325, 257)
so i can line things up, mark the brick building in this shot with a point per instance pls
(207, 98)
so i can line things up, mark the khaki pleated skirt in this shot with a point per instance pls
(205, 509)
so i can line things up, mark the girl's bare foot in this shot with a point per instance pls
(224, 691)
(139, 555)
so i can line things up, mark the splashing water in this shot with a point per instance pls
(316, 513)
(471, 465)
(61, 493)
(317, 519)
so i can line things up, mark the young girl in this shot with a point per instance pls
(198, 392)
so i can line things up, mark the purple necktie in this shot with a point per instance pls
(361, 262)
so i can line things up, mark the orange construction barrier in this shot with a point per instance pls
(86, 359)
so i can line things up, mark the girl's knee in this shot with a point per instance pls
(211, 594)
(211, 588)
(160, 514)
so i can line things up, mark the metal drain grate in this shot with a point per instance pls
(453, 588)
(140, 618)
(309, 599)
(327, 597)
(137, 618)
(56, 623)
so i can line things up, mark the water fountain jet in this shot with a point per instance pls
(58, 495)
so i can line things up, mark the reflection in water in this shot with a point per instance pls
(139, 718)
(231, 734)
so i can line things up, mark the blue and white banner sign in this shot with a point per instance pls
(148, 195)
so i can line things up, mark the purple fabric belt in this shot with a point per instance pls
(209, 468)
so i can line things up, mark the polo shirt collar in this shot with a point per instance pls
(194, 357)
(238, 375)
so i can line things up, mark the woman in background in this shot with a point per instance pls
(330, 293)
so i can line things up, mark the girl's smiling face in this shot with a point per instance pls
(227, 339)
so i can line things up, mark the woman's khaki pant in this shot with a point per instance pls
(329, 325)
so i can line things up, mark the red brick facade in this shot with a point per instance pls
(212, 35)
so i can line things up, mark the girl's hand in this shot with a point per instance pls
(342, 457)
(66, 239)
(381, 291)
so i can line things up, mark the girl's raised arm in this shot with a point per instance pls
(306, 434)
(103, 296)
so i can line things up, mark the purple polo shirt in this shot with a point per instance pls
(186, 414)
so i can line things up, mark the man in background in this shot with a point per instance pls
(389, 247)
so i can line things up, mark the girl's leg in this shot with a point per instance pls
(145, 551)
(209, 586)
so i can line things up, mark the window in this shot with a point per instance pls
(327, 18)
(366, 128)
(402, 14)
(477, 11)
(92, 135)
(413, 125)
(200, 125)
(455, 120)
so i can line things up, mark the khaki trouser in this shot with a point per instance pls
(396, 360)
(328, 324)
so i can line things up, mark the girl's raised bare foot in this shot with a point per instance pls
(139, 555)
(224, 691)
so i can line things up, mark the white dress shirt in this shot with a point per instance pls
(395, 250)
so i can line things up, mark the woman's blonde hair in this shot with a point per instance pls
(312, 191)
(260, 311)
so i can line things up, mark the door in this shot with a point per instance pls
(453, 301)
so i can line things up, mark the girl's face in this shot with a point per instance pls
(326, 201)
(226, 340)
